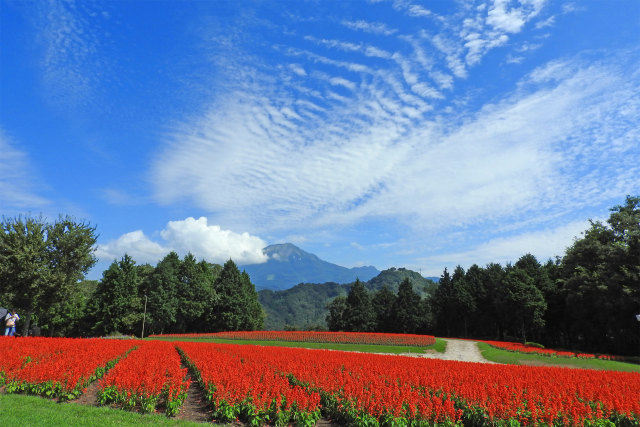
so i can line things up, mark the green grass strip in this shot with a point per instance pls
(365, 348)
(514, 358)
(21, 410)
(440, 346)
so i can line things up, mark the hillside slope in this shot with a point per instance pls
(304, 305)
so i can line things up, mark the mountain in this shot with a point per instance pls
(304, 305)
(289, 265)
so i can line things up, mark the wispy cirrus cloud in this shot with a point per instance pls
(73, 66)
(370, 27)
(346, 142)
(535, 149)
(17, 179)
(544, 244)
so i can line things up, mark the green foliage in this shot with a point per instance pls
(162, 293)
(524, 301)
(358, 315)
(307, 305)
(40, 266)
(600, 281)
(393, 277)
(406, 309)
(116, 305)
(237, 307)
(335, 317)
(383, 302)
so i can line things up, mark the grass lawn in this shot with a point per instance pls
(512, 358)
(365, 348)
(440, 345)
(23, 410)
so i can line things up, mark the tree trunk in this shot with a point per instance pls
(27, 324)
(524, 334)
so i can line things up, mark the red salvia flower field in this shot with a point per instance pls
(148, 376)
(280, 386)
(56, 367)
(319, 337)
(522, 348)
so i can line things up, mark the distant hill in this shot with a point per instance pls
(289, 265)
(304, 305)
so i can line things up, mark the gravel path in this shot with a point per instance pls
(461, 350)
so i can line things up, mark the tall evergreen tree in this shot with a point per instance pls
(474, 279)
(407, 315)
(237, 307)
(444, 305)
(463, 303)
(193, 288)
(525, 302)
(117, 305)
(162, 295)
(358, 314)
(383, 303)
(335, 315)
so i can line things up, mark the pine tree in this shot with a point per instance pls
(407, 309)
(358, 314)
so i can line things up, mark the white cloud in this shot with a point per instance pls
(72, 67)
(504, 17)
(370, 27)
(136, 244)
(258, 158)
(298, 69)
(17, 186)
(549, 22)
(416, 10)
(543, 244)
(213, 243)
(204, 241)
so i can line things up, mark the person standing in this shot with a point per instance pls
(10, 323)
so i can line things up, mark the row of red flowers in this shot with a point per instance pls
(149, 376)
(524, 348)
(59, 368)
(318, 337)
(289, 385)
(369, 389)
(242, 384)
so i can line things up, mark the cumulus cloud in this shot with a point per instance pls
(204, 241)
(136, 244)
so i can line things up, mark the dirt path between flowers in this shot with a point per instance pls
(460, 350)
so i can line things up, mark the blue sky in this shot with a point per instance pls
(418, 134)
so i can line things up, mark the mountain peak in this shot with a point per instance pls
(284, 252)
(288, 265)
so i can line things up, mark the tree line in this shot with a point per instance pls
(42, 270)
(587, 299)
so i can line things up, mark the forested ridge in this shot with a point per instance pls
(304, 306)
(586, 299)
